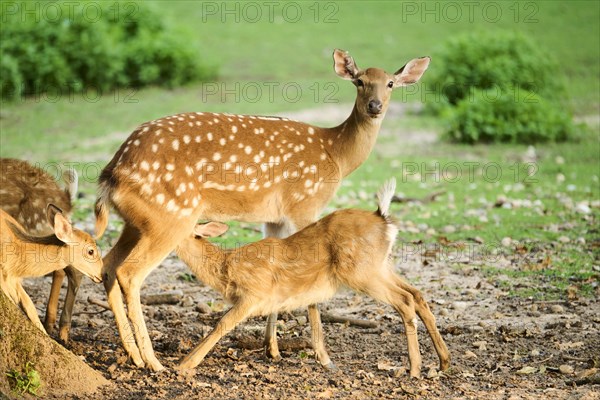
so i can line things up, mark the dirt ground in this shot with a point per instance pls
(501, 347)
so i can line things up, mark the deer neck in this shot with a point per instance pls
(206, 260)
(353, 140)
(40, 260)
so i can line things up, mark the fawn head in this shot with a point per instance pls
(374, 86)
(83, 252)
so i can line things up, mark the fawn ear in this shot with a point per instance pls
(411, 72)
(62, 227)
(210, 229)
(344, 65)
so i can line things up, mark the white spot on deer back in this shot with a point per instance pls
(175, 144)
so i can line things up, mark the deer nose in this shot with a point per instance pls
(374, 107)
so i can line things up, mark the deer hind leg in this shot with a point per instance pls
(385, 289)
(74, 277)
(150, 250)
(52, 305)
(424, 312)
(115, 257)
(230, 320)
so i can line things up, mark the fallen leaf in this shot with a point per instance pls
(386, 366)
(566, 369)
(327, 394)
(527, 370)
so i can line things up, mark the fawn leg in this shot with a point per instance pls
(318, 338)
(281, 230)
(52, 305)
(234, 316)
(28, 306)
(424, 312)
(74, 278)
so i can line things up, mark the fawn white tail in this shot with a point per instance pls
(346, 248)
(23, 255)
(26, 192)
(172, 171)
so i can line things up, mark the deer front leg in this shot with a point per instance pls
(280, 230)
(234, 316)
(318, 338)
(270, 342)
(115, 301)
(64, 324)
(52, 305)
(29, 307)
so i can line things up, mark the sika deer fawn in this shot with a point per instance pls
(26, 192)
(23, 255)
(346, 248)
(220, 167)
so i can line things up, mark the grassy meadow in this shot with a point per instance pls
(534, 209)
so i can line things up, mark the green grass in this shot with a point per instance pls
(383, 34)
(27, 382)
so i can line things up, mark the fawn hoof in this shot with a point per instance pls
(274, 357)
(330, 366)
(153, 364)
(50, 329)
(272, 353)
(64, 335)
(137, 361)
(415, 374)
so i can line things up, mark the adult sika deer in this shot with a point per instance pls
(220, 167)
(349, 248)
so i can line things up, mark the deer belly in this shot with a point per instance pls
(282, 302)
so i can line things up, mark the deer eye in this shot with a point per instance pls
(390, 84)
(91, 252)
(360, 83)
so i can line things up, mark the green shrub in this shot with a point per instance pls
(73, 52)
(509, 116)
(483, 60)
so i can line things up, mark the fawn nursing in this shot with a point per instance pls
(346, 248)
(173, 171)
(23, 255)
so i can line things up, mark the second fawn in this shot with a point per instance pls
(26, 192)
(349, 248)
(25, 256)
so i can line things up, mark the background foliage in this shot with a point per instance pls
(74, 52)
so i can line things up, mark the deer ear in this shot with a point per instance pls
(62, 227)
(210, 229)
(411, 72)
(344, 65)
